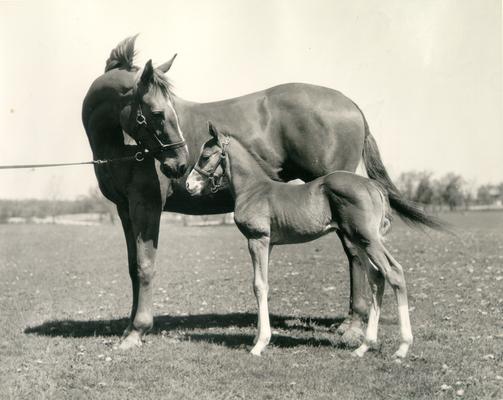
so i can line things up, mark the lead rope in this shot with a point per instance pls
(139, 156)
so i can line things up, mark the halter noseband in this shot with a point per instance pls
(216, 181)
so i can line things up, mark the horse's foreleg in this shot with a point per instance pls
(351, 328)
(132, 262)
(259, 252)
(145, 220)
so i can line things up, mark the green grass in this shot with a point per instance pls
(65, 295)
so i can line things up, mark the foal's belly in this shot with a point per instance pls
(302, 216)
(287, 235)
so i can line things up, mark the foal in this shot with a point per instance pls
(271, 213)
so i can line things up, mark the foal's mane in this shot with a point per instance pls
(122, 57)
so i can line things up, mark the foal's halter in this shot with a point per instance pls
(141, 121)
(216, 180)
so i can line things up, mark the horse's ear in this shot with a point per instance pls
(167, 65)
(212, 130)
(148, 73)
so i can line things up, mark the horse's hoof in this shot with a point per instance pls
(352, 337)
(132, 341)
(342, 328)
(126, 332)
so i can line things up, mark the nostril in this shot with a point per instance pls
(183, 168)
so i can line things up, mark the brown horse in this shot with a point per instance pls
(271, 213)
(294, 130)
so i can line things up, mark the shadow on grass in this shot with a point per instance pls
(235, 341)
(163, 324)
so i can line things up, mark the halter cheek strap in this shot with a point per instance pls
(141, 122)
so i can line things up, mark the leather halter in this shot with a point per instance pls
(141, 122)
(216, 181)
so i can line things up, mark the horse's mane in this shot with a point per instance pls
(122, 56)
(159, 82)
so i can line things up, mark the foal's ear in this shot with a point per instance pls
(167, 65)
(212, 130)
(148, 73)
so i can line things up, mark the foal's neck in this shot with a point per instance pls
(245, 171)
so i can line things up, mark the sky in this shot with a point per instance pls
(426, 73)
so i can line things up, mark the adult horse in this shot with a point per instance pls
(294, 130)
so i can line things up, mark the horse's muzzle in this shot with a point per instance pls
(173, 170)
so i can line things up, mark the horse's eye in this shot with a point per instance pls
(158, 118)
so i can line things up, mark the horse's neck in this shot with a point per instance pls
(245, 172)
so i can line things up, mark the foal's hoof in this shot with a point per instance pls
(255, 352)
(352, 337)
(258, 348)
(401, 352)
(360, 351)
(132, 341)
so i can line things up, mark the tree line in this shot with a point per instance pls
(93, 202)
(450, 191)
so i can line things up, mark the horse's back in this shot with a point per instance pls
(301, 130)
(308, 95)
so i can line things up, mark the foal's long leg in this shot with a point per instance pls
(351, 328)
(259, 252)
(382, 260)
(376, 281)
(397, 279)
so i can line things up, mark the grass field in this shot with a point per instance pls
(65, 293)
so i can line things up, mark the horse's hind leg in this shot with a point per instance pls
(351, 329)
(382, 260)
(259, 252)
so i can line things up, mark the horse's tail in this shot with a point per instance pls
(122, 56)
(409, 211)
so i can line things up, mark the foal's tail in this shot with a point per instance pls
(409, 211)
